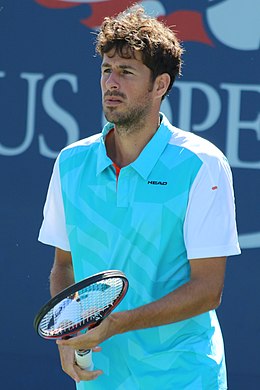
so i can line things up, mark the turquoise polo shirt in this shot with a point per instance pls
(139, 222)
(134, 223)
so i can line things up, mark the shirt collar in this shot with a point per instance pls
(103, 161)
(149, 155)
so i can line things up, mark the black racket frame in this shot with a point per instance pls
(72, 290)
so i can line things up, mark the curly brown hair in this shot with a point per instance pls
(133, 30)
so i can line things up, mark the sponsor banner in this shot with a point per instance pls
(50, 97)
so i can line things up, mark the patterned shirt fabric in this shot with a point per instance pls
(175, 202)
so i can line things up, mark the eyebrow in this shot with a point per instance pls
(107, 65)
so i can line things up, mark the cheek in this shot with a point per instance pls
(102, 85)
(103, 79)
(143, 93)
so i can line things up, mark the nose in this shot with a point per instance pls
(112, 81)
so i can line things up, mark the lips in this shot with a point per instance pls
(112, 101)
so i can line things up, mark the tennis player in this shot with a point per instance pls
(153, 201)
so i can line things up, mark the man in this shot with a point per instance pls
(155, 202)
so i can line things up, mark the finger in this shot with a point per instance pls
(74, 342)
(72, 373)
(96, 349)
(68, 362)
(87, 375)
(80, 342)
(70, 367)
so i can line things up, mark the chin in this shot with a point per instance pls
(111, 116)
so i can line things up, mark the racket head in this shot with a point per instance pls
(81, 305)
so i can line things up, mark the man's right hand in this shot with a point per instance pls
(67, 357)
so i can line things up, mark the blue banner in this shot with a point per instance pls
(50, 97)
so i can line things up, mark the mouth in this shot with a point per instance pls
(112, 101)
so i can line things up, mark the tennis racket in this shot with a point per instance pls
(81, 306)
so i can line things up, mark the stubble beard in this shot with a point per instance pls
(129, 121)
(133, 118)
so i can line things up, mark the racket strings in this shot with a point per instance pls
(87, 306)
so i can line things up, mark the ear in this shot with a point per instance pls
(162, 83)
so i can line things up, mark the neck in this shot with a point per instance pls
(125, 145)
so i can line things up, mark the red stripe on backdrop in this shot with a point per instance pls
(105, 8)
(189, 26)
(56, 4)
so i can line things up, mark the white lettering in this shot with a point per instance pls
(235, 125)
(57, 113)
(32, 79)
(186, 102)
(250, 240)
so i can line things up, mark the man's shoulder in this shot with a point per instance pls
(195, 144)
(201, 147)
(81, 145)
(84, 142)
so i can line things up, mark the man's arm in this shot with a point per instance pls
(62, 274)
(202, 293)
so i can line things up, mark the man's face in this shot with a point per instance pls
(126, 89)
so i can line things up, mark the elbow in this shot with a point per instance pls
(215, 300)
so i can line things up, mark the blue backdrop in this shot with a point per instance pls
(50, 96)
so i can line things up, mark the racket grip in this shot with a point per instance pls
(84, 360)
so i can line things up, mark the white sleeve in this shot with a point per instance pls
(210, 223)
(53, 229)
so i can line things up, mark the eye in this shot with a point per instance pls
(106, 70)
(125, 71)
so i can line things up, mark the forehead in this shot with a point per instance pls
(114, 58)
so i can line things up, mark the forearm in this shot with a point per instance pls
(202, 293)
(62, 274)
(191, 299)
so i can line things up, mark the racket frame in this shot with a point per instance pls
(74, 288)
